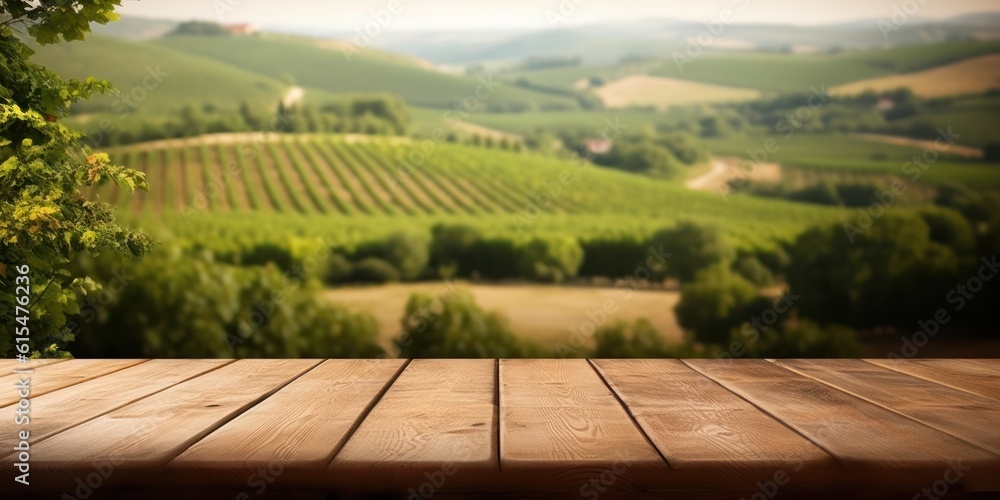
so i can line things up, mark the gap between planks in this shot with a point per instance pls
(628, 411)
(367, 410)
(833, 456)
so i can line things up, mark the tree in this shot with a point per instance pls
(712, 305)
(692, 247)
(44, 217)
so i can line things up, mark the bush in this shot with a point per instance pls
(638, 340)
(408, 254)
(336, 269)
(453, 326)
(178, 304)
(373, 270)
(692, 247)
(550, 260)
(269, 253)
(495, 258)
(805, 339)
(612, 258)
(753, 271)
(452, 250)
(991, 152)
(713, 304)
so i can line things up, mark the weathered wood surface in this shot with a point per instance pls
(590, 428)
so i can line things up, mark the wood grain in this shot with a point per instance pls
(957, 373)
(7, 365)
(701, 427)
(967, 416)
(55, 376)
(874, 443)
(150, 432)
(301, 426)
(59, 410)
(561, 425)
(993, 364)
(438, 418)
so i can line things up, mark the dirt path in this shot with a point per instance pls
(954, 149)
(724, 169)
(293, 97)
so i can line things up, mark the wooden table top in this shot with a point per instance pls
(422, 428)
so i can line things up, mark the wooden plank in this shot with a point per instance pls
(65, 408)
(993, 364)
(148, 433)
(8, 365)
(52, 377)
(960, 374)
(302, 426)
(967, 416)
(561, 426)
(437, 418)
(706, 432)
(875, 444)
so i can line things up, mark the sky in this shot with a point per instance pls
(472, 15)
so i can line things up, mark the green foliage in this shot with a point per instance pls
(452, 249)
(692, 247)
(201, 28)
(713, 304)
(636, 340)
(374, 270)
(44, 218)
(337, 269)
(551, 260)
(193, 306)
(879, 279)
(803, 339)
(408, 253)
(453, 326)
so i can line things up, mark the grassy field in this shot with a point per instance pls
(975, 118)
(971, 76)
(177, 78)
(797, 73)
(546, 315)
(842, 152)
(351, 190)
(659, 92)
(327, 68)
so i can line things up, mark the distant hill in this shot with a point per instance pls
(310, 64)
(135, 28)
(183, 78)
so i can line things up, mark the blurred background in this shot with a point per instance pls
(572, 178)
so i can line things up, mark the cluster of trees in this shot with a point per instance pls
(44, 218)
(374, 115)
(201, 28)
(825, 192)
(650, 152)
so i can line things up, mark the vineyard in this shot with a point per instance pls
(352, 188)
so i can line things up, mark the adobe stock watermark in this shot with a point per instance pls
(435, 481)
(124, 104)
(542, 200)
(958, 297)
(939, 488)
(262, 310)
(455, 118)
(422, 318)
(603, 481)
(696, 45)
(901, 14)
(260, 479)
(625, 288)
(378, 21)
(759, 324)
(564, 10)
(787, 126)
(913, 169)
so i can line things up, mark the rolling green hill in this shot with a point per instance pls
(329, 69)
(178, 78)
(797, 73)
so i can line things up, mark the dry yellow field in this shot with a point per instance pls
(547, 315)
(970, 76)
(644, 90)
